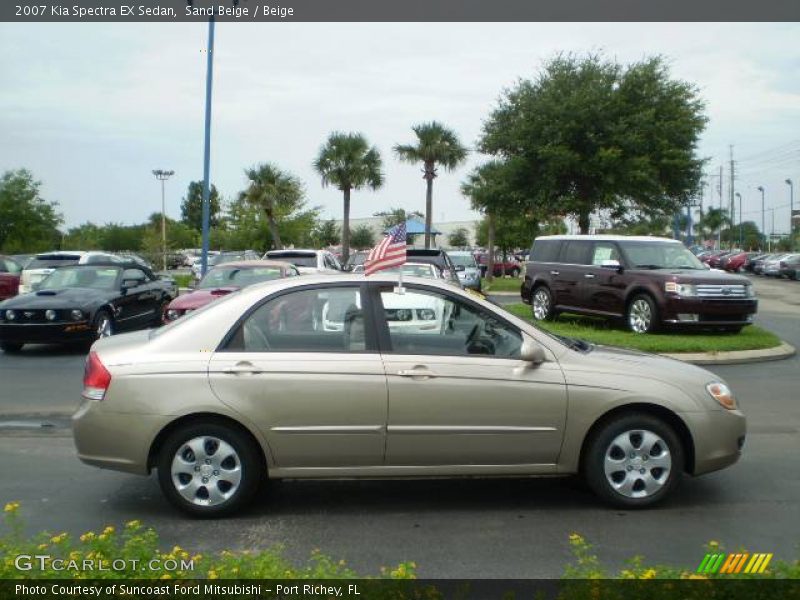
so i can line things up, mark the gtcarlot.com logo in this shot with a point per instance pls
(734, 563)
(44, 562)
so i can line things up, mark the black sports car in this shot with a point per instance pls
(81, 303)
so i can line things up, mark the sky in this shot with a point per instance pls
(92, 109)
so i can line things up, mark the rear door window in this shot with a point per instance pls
(545, 251)
(603, 251)
(575, 252)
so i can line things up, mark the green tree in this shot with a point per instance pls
(459, 238)
(588, 134)
(713, 220)
(274, 191)
(116, 237)
(87, 236)
(435, 145)
(395, 216)
(636, 223)
(362, 237)
(28, 222)
(327, 233)
(347, 162)
(192, 206)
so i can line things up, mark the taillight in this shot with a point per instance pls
(96, 378)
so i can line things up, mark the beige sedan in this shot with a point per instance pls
(326, 377)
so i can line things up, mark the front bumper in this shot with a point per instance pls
(709, 311)
(46, 333)
(719, 436)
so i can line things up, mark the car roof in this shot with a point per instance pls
(425, 251)
(609, 238)
(294, 252)
(249, 264)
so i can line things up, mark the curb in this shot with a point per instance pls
(737, 357)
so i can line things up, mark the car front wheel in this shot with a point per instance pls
(103, 325)
(634, 461)
(209, 469)
(642, 314)
(542, 304)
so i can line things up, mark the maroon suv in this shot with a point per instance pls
(649, 281)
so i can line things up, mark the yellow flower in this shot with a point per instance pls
(135, 524)
(88, 536)
(108, 530)
(649, 574)
(197, 557)
(41, 546)
(176, 550)
(713, 544)
(58, 538)
(74, 555)
(102, 536)
(166, 576)
(11, 507)
(575, 538)
(212, 574)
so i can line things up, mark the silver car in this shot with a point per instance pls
(467, 269)
(317, 377)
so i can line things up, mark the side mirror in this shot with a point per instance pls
(611, 263)
(461, 268)
(35, 287)
(531, 351)
(130, 283)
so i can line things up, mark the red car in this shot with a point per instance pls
(512, 266)
(227, 278)
(10, 272)
(736, 263)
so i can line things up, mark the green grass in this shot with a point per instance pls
(183, 280)
(501, 284)
(608, 332)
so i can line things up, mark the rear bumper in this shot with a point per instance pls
(46, 333)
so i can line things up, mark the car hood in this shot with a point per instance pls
(66, 298)
(196, 299)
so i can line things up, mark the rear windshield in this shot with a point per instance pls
(238, 276)
(298, 259)
(429, 257)
(463, 260)
(48, 261)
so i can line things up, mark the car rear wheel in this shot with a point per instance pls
(542, 304)
(514, 272)
(209, 469)
(633, 461)
(10, 347)
(642, 316)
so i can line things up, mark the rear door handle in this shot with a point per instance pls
(553, 272)
(242, 368)
(416, 373)
(589, 275)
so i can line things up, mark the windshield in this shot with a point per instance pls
(415, 270)
(660, 255)
(297, 259)
(99, 278)
(464, 260)
(238, 276)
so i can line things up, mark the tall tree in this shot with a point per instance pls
(713, 220)
(28, 223)
(192, 206)
(459, 238)
(362, 237)
(276, 192)
(327, 233)
(348, 162)
(435, 145)
(588, 134)
(395, 216)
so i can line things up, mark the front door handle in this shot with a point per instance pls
(589, 275)
(417, 373)
(241, 368)
(553, 273)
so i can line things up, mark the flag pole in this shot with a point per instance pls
(400, 289)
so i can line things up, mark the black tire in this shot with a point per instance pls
(10, 347)
(635, 314)
(542, 304)
(96, 324)
(248, 460)
(514, 272)
(603, 443)
(161, 311)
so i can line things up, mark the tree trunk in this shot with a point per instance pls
(429, 175)
(273, 229)
(490, 249)
(346, 227)
(583, 222)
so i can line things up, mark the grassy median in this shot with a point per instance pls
(501, 284)
(611, 333)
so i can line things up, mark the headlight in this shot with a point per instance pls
(722, 394)
(50, 315)
(76, 315)
(173, 314)
(11, 315)
(682, 289)
(750, 291)
(426, 314)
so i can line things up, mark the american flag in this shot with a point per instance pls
(391, 252)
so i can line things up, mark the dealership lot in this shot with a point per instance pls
(456, 528)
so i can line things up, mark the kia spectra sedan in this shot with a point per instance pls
(261, 385)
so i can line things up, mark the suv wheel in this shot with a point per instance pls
(542, 304)
(209, 469)
(642, 315)
(634, 461)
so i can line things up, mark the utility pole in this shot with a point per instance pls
(162, 176)
(763, 228)
(719, 230)
(738, 195)
(771, 235)
(791, 213)
(733, 205)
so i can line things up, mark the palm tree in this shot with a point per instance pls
(436, 145)
(275, 191)
(347, 161)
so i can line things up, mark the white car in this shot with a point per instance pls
(45, 263)
(772, 267)
(307, 261)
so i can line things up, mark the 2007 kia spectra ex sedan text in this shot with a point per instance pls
(351, 377)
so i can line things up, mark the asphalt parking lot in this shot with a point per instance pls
(513, 528)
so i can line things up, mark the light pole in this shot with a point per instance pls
(791, 213)
(738, 195)
(763, 227)
(162, 176)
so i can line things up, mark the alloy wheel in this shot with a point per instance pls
(541, 304)
(104, 328)
(640, 316)
(206, 471)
